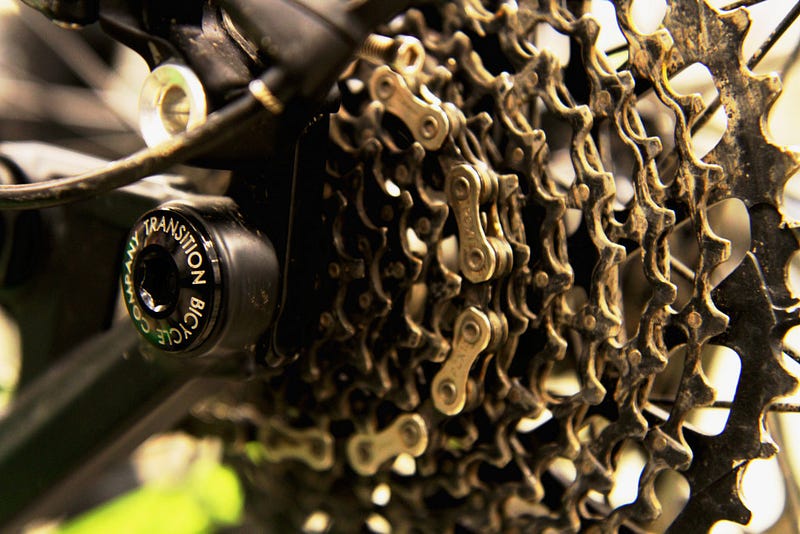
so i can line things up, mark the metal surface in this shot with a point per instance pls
(198, 279)
(367, 451)
(172, 101)
(474, 339)
(420, 230)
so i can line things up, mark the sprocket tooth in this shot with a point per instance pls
(709, 504)
(574, 343)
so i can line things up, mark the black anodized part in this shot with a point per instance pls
(171, 280)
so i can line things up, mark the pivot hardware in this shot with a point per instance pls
(196, 278)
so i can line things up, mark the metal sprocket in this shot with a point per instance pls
(471, 277)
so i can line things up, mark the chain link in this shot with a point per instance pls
(463, 298)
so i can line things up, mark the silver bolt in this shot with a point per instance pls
(172, 101)
(403, 52)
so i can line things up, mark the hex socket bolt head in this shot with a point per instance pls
(197, 278)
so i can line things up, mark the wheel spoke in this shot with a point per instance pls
(681, 268)
(791, 60)
(741, 3)
(83, 61)
(781, 407)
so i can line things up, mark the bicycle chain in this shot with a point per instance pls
(453, 283)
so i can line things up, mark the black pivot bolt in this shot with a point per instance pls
(197, 278)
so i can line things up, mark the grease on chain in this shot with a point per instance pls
(459, 294)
